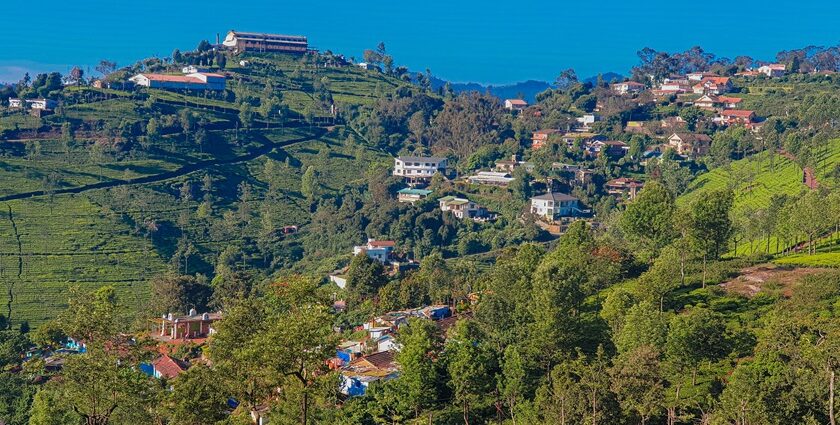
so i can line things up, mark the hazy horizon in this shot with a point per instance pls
(489, 43)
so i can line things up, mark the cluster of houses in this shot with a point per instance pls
(418, 171)
(371, 358)
(169, 331)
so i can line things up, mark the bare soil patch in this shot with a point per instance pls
(754, 279)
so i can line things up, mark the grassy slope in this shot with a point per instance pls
(71, 240)
(755, 181)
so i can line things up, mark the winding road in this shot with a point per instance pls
(184, 170)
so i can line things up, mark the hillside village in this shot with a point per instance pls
(257, 231)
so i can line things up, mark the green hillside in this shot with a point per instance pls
(107, 204)
(757, 178)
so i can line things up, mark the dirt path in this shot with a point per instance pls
(184, 170)
(809, 178)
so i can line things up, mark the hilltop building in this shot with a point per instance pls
(265, 43)
(195, 81)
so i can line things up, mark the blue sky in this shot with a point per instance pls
(460, 40)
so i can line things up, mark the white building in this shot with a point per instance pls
(555, 205)
(192, 69)
(43, 104)
(377, 250)
(240, 41)
(628, 87)
(586, 121)
(773, 70)
(515, 104)
(418, 168)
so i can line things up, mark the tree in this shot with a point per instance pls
(100, 389)
(695, 336)
(364, 277)
(92, 317)
(246, 115)
(637, 381)
(295, 348)
(648, 221)
(644, 325)
(470, 366)
(76, 75)
(178, 294)
(420, 376)
(106, 67)
(662, 278)
(309, 184)
(512, 382)
(711, 224)
(566, 79)
(15, 398)
(198, 397)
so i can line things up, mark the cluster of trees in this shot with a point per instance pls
(660, 64)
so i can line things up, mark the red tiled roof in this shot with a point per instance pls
(382, 243)
(726, 99)
(517, 102)
(173, 78)
(739, 113)
(168, 367)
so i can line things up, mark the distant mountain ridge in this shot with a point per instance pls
(527, 89)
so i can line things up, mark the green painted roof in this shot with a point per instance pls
(411, 191)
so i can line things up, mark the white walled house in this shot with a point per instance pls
(773, 70)
(552, 206)
(15, 102)
(43, 104)
(515, 104)
(418, 168)
(628, 87)
(377, 250)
